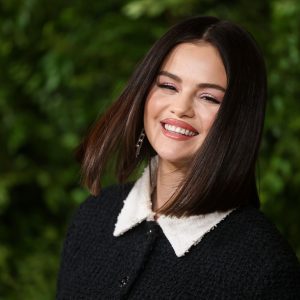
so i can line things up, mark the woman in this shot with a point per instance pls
(189, 227)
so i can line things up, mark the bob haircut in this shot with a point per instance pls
(222, 172)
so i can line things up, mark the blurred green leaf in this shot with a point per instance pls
(62, 64)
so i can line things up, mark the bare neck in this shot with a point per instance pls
(168, 179)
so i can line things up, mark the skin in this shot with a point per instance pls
(186, 95)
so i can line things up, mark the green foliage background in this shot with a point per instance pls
(62, 63)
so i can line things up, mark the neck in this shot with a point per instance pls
(168, 179)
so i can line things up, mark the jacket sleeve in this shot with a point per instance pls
(74, 237)
(89, 222)
(282, 281)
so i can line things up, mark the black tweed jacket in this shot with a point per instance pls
(244, 257)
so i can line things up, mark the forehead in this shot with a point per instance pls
(199, 61)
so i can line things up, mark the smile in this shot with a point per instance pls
(178, 129)
(175, 129)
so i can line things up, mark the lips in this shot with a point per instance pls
(178, 129)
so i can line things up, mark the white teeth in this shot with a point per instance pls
(180, 130)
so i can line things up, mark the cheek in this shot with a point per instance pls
(211, 118)
(153, 108)
(208, 116)
(149, 114)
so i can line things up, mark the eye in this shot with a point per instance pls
(167, 86)
(210, 98)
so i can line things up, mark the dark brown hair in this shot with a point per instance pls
(222, 175)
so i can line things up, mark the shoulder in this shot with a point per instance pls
(96, 215)
(94, 219)
(109, 201)
(250, 230)
(251, 225)
(258, 251)
(113, 192)
(91, 227)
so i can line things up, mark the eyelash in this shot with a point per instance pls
(168, 86)
(211, 99)
(206, 97)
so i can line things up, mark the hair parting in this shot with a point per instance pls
(222, 173)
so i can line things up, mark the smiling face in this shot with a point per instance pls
(183, 102)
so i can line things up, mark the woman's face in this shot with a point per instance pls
(183, 102)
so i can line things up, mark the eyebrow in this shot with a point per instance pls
(201, 85)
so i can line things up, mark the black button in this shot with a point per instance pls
(150, 231)
(123, 281)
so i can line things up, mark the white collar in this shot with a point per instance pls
(182, 233)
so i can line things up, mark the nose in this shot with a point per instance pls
(183, 106)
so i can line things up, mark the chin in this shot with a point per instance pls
(175, 159)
